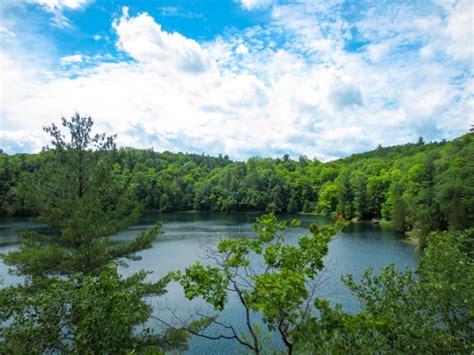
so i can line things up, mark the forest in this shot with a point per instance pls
(417, 186)
(73, 299)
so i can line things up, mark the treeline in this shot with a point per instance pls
(416, 186)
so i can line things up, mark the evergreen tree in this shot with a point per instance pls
(399, 214)
(344, 196)
(78, 195)
(308, 206)
(359, 186)
(73, 299)
(292, 205)
(377, 187)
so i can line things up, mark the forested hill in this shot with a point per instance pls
(422, 186)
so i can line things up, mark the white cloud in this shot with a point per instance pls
(61, 4)
(70, 59)
(460, 30)
(242, 96)
(255, 4)
(142, 38)
(174, 11)
(377, 51)
(57, 8)
(21, 140)
(5, 33)
(427, 52)
(242, 49)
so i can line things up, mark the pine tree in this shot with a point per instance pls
(76, 194)
(399, 209)
(73, 299)
(344, 196)
(292, 205)
(359, 185)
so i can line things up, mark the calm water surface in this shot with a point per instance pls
(357, 248)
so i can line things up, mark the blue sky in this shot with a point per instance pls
(239, 77)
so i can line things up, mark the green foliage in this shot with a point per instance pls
(206, 282)
(344, 195)
(327, 198)
(436, 181)
(279, 291)
(295, 223)
(308, 206)
(81, 196)
(359, 187)
(292, 205)
(446, 275)
(72, 299)
(430, 312)
(83, 314)
(399, 209)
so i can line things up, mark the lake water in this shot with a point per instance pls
(357, 248)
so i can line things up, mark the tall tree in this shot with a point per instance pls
(344, 195)
(79, 196)
(292, 205)
(377, 186)
(398, 209)
(359, 186)
(68, 301)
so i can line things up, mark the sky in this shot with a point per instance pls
(322, 78)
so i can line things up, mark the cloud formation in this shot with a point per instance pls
(57, 8)
(144, 40)
(292, 85)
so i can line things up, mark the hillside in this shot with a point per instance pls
(422, 186)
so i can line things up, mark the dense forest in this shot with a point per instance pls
(419, 186)
(72, 298)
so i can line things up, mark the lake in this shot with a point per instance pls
(358, 247)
